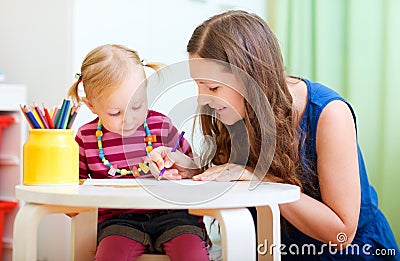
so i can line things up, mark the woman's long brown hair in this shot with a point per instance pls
(245, 41)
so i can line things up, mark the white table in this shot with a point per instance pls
(225, 201)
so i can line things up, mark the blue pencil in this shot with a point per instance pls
(31, 118)
(68, 115)
(64, 113)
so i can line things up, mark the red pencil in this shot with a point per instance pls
(48, 118)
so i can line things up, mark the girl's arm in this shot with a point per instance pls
(178, 165)
(339, 181)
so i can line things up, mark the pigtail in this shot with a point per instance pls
(73, 90)
(153, 65)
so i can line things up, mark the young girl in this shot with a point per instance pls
(316, 144)
(115, 145)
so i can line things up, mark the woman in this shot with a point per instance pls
(316, 144)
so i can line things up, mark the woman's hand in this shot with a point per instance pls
(225, 172)
(177, 164)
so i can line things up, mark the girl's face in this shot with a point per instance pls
(218, 90)
(125, 109)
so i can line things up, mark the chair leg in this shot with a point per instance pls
(238, 232)
(268, 233)
(84, 236)
(26, 225)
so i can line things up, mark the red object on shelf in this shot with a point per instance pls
(4, 122)
(5, 206)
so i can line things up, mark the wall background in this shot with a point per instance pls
(351, 46)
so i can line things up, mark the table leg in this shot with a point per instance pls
(238, 232)
(26, 225)
(84, 236)
(268, 232)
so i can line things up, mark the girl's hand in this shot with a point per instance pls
(225, 172)
(177, 164)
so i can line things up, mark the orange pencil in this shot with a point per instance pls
(31, 118)
(26, 116)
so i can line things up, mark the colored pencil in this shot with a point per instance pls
(53, 113)
(67, 115)
(41, 116)
(65, 108)
(31, 117)
(48, 118)
(37, 118)
(72, 117)
(60, 113)
(173, 150)
(58, 118)
(26, 116)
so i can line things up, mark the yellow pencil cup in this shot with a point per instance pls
(51, 156)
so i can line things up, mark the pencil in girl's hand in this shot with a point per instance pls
(178, 141)
(173, 150)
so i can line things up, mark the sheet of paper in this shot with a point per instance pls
(112, 182)
(139, 182)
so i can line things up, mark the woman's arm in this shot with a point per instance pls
(226, 172)
(339, 181)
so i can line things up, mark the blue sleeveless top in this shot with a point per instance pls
(374, 239)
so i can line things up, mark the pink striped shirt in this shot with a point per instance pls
(123, 152)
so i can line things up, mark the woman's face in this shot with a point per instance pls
(217, 89)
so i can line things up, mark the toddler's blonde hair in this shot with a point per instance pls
(105, 67)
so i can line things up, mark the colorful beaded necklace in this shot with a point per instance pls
(135, 171)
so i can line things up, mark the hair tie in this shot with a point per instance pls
(78, 76)
(143, 62)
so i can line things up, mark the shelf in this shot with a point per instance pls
(9, 160)
(7, 242)
(11, 96)
(11, 146)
